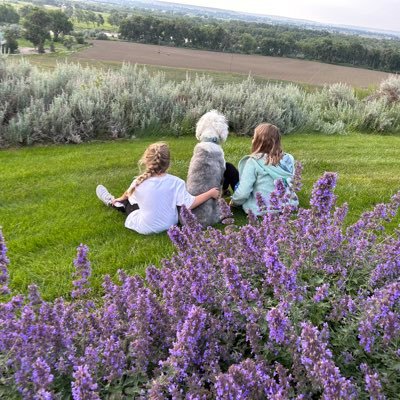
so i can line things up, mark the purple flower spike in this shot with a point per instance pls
(322, 197)
(297, 179)
(251, 381)
(321, 292)
(189, 220)
(281, 279)
(380, 318)
(372, 383)
(388, 269)
(43, 395)
(34, 295)
(225, 210)
(42, 378)
(279, 324)
(317, 360)
(261, 203)
(278, 197)
(240, 289)
(186, 350)
(84, 387)
(178, 237)
(4, 262)
(83, 272)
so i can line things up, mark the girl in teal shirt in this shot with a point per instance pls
(259, 170)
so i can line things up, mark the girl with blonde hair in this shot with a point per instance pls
(152, 199)
(259, 170)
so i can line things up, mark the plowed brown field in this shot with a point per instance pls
(278, 68)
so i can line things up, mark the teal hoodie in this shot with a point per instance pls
(257, 177)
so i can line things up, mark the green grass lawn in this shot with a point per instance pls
(22, 42)
(48, 204)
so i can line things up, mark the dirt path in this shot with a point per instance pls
(310, 72)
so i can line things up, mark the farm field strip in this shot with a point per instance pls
(276, 68)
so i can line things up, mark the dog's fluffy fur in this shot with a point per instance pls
(207, 166)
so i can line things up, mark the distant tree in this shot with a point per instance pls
(79, 15)
(60, 23)
(25, 10)
(394, 61)
(132, 28)
(218, 38)
(86, 16)
(374, 58)
(100, 20)
(68, 41)
(69, 10)
(357, 52)
(37, 26)
(247, 43)
(116, 17)
(8, 14)
(270, 46)
(91, 17)
(324, 50)
(11, 34)
(176, 31)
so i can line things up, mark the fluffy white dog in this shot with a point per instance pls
(207, 166)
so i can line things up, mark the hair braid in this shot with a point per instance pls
(156, 159)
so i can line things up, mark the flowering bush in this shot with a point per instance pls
(289, 306)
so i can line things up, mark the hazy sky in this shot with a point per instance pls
(381, 14)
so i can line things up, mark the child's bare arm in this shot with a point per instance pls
(201, 198)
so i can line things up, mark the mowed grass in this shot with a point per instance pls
(48, 204)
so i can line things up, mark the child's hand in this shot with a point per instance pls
(214, 193)
(117, 200)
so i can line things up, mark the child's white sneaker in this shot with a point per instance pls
(104, 195)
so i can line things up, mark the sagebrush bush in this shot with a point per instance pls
(390, 89)
(289, 306)
(94, 103)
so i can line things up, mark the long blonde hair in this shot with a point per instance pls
(156, 160)
(267, 140)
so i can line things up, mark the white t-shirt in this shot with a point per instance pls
(157, 198)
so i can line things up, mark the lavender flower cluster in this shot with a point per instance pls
(290, 306)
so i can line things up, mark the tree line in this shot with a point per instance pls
(37, 22)
(205, 33)
(261, 38)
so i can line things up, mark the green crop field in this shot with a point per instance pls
(48, 204)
